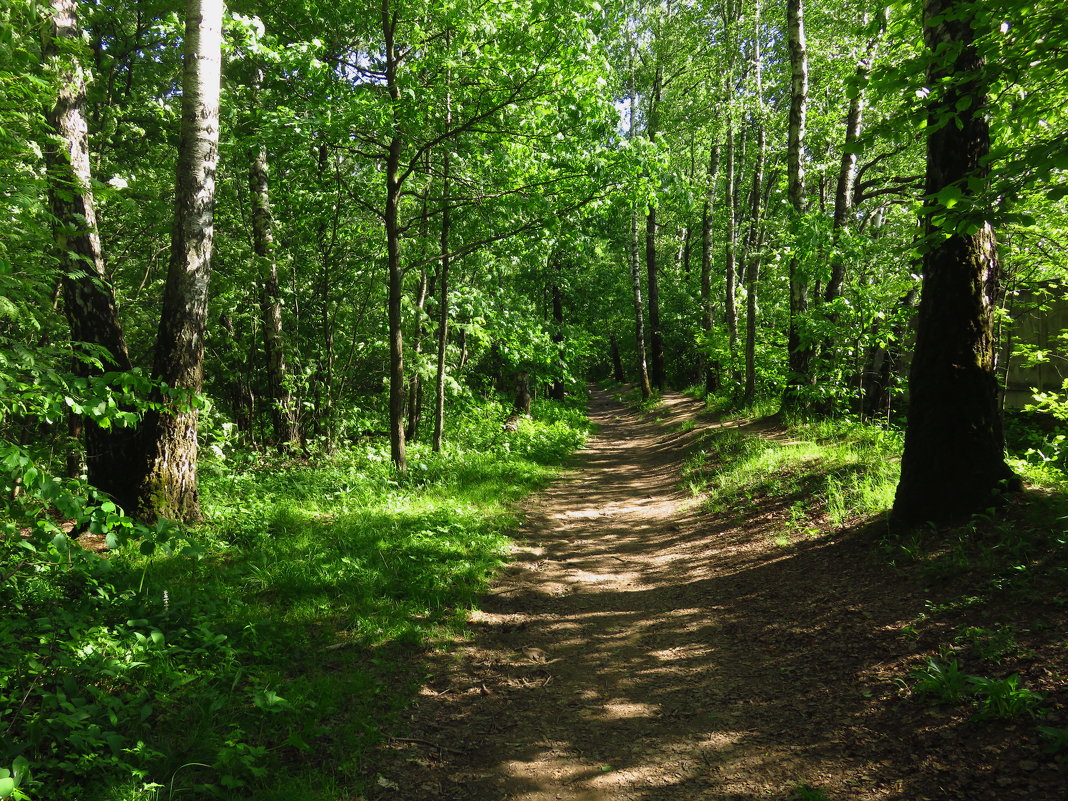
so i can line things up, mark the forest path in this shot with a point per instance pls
(637, 647)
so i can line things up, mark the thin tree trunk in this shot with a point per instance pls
(799, 355)
(731, 244)
(415, 384)
(656, 337)
(635, 275)
(283, 413)
(639, 316)
(953, 463)
(112, 454)
(617, 362)
(753, 254)
(522, 392)
(397, 449)
(443, 308)
(170, 485)
(752, 281)
(711, 379)
(557, 390)
(443, 273)
(847, 173)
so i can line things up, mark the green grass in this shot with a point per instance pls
(838, 469)
(268, 656)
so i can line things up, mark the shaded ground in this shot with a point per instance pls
(640, 649)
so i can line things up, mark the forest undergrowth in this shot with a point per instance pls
(261, 654)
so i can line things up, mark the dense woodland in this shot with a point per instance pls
(247, 248)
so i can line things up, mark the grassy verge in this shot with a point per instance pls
(829, 473)
(264, 656)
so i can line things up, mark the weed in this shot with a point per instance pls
(1056, 741)
(990, 645)
(944, 681)
(1003, 699)
(806, 792)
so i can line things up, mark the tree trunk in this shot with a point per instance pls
(730, 250)
(711, 379)
(557, 390)
(847, 172)
(632, 258)
(799, 352)
(169, 488)
(522, 392)
(656, 337)
(753, 255)
(953, 463)
(443, 272)
(397, 449)
(283, 414)
(617, 362)
(415, 384)
(112, 454)
(639, 316)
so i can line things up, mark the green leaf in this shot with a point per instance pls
(949, 196)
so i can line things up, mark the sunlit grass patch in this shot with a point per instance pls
(835, 469)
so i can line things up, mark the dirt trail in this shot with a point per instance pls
(639, 648)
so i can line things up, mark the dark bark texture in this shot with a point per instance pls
(112, 454)
(283, 414)
(953, 463)
(557, 390)
(799, 352)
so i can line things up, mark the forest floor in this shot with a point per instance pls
(639, 647)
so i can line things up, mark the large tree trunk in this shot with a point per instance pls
(169, 488)
(112, 454)
(656, 337)
(283, 414)
(799, 352)
(953, 463)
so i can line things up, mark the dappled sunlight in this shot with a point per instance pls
(640, 649)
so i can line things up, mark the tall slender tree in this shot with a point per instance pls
(799, 351)
(283, 414)
(169, 488)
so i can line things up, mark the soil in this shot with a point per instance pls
(640, 647)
